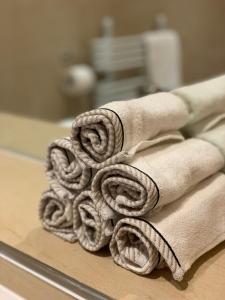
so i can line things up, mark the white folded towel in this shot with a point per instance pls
(93, 221)
(156, 176)
(65, 167)
(204, 99)
(101, 135)
(177, 235)
(55, 212)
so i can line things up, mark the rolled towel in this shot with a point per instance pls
(204, 99)
(177, 235)
(102, 136)
(215, 136)
(92, 221)
(55, 212)
(156, 176)
(204, 125)
(63, 165)
(212, 130)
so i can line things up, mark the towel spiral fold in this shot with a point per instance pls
(137, 246)
(92, 221)
(55, 212)
(126, 189)
(63, 165)
(98, 137)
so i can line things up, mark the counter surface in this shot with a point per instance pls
(22, 181)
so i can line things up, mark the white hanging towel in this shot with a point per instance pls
(163, 59)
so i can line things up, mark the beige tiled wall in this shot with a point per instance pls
(34, 35)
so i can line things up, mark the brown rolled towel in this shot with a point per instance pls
(65, 167)
(156, 176)
(93, 221)
(103, 136)
(177, 235)
(55, 212)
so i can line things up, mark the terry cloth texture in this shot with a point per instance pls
(216, 136)
(156, 176)
(93, 221)
(55, 212)
(177, 235)
(63, 165)
(103, 136)
(204, 99)
(203, 125)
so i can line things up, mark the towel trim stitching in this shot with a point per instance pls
(120, 123)
(171, 249)
(157, 188)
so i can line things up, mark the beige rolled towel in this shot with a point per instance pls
(204, 125)
(55, 212)
(215, 136)
(63, 165)
(177, 235)
(212, 130)
(204, 99)
(103, 136)
(93, 221)
(156, 176)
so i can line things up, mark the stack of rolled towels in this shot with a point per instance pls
(144, 176)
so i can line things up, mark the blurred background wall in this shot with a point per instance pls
(38, 38)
